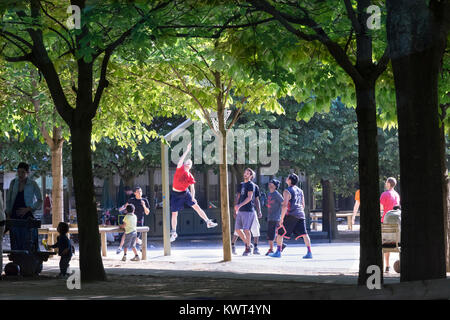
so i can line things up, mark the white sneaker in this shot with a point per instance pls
(211, 224)
(173, 236)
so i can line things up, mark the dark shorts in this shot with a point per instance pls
(293, 226)
(271, 228)
(130, 240)
(179, 199)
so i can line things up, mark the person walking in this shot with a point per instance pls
(64, 246)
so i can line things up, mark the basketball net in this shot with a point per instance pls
(215, 118)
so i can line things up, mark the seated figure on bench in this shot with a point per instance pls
(23, 199)
(391, 217)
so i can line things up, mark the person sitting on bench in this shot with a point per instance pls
(391, 217)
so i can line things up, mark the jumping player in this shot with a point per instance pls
(183, 192)
(292, 217)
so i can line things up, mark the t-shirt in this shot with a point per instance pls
(295, 204)
(274, 202)
(256, 194)
(62, 243)
(130, 221)
(244, 189)
(357, 195)
(389, 199)
(138, 208)
(182, 179)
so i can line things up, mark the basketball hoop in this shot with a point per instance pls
(215, 118)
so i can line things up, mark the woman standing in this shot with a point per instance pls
(22, 200)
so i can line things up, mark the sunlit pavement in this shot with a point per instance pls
(331, 263)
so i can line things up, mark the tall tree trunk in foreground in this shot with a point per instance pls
(370, 227)
(224, 195)
(417, 38)
(91, 263)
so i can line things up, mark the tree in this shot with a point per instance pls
(416, 54)
(31, 106)
(32, 31)
(324, 23)
(205, 81)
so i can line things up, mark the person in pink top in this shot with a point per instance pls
(388, 200)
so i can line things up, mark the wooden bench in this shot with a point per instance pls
(340, 214)
(51, 232)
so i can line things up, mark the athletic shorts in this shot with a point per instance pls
(271, 228)
(294, 226)
(254, 228)
(130, 240)
(179, 199)
(244, 220)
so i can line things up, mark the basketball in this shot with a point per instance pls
(397, 266)
(12, 269)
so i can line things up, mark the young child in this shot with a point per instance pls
(130, 226)
(274, 202)
(64, 246)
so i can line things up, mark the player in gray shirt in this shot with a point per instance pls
(274, 204)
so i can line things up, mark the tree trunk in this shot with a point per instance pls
(129, 181)
(224, 196)
(329, 223)
(416, 54)
(446, 186)
(91, 265)
(69, 194)
(57, 178)
(370, 220)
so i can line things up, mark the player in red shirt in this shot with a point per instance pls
(183, 193)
